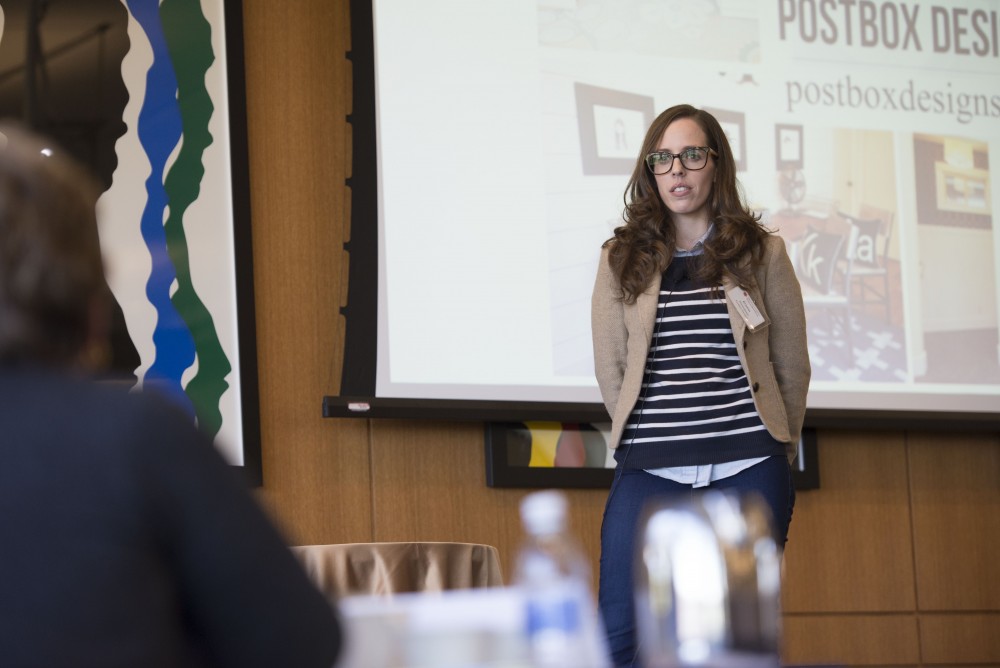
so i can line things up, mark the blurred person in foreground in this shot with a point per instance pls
(125, 539)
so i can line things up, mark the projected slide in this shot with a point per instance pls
(863, 131)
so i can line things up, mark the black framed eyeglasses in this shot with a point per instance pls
(692, 158)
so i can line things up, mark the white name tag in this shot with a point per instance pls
(741, 299)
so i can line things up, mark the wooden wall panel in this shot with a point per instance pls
(849, 546)
(956, 520)
(430, 484)
(297, 100)
(957, 639)
(850, 640)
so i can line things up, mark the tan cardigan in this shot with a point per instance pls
(774, 356)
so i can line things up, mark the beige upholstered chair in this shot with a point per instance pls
(389, 568)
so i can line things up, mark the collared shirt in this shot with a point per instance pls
(704, 474)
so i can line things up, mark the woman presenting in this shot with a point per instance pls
(699, 347)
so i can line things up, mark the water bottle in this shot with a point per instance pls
(707, 576)
(562, 624)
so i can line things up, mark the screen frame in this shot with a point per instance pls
(357, 395)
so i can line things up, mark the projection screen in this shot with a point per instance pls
(505, 132)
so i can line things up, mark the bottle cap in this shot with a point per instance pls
(544, 512)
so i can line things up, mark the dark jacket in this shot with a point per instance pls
(126, 540)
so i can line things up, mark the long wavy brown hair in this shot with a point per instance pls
(643, 247)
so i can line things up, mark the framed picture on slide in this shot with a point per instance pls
(965, 190)
(788, 146)
(611, 125)
(734, 125)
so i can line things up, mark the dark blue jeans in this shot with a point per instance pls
(632, 489)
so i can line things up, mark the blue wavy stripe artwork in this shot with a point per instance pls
(159, 131)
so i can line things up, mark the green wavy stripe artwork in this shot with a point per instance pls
(189, 41)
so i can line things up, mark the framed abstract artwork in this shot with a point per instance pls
(150, 95)
(548, 454)
(539, 454)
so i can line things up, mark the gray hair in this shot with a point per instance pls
(51, 273)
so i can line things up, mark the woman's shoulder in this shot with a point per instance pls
(772, 241)
(609, 249)
(770, 253)
(771, 246)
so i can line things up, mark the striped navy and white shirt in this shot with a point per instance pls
(695, 420)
